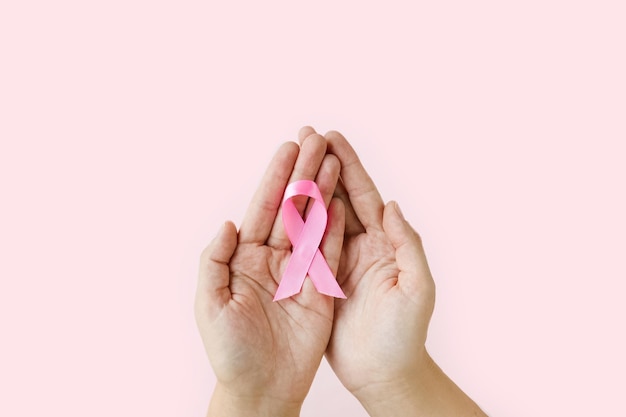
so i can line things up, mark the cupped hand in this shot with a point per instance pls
(264, 353)
(379, 331)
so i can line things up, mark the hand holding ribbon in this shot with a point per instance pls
(264, 353)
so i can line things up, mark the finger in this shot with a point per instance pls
(332, 242)
(312, 152)
(304, 133)
(414, 276)
(364, 197)
(326, 179)
(353, 225)
(309, 160)
(259, 218)
(214, 276)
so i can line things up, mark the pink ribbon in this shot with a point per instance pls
(305, 238)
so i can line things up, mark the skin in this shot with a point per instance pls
(265, 354)
(377, 347)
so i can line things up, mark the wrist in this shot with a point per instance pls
(225, 403)
(397, 392)
(424, 390)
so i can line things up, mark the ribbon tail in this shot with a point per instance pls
(286, 291)
(323, 278)
(301, 258)
(292, 280)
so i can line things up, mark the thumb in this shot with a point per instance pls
(214, 277)
(414, 274)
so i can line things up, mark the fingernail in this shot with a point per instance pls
(399, 211)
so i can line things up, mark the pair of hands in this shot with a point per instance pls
(265, 354)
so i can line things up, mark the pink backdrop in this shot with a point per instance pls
(131, 129)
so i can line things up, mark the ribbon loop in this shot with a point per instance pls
(306, 237)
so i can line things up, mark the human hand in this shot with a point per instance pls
(377, 346)
(264, 353)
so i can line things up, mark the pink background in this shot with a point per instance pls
(131, 129)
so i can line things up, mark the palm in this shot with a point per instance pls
(367, 335)
(282, 342)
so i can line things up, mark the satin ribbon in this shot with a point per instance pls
(305, 238)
